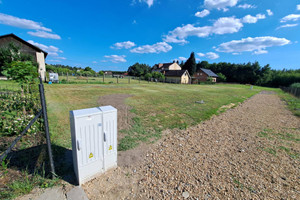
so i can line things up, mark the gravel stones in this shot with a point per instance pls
(222, 158)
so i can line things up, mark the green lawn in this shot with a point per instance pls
(157, 106)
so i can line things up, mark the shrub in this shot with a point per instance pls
(295, 85)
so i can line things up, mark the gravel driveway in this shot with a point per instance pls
(249, 152)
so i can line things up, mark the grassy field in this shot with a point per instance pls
(157, 106)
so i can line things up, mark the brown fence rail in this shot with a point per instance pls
(292, 90)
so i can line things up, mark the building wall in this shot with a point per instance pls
(199, 76)
(40, 58)
(173, 79)
(4, 42)
(185, 79)
(174, 66)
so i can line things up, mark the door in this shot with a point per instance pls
(89, 146)
(110, 143)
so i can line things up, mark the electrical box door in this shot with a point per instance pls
(87, 143)
(110, 136)
(94, 141)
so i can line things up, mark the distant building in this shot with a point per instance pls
(107, 72)
(177, 76)
(165, 67)
(202, 75)
(25, 47)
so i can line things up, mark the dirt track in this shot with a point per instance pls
(249, 152)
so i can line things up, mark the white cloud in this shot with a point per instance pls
(256, 45)
(115, 58)
(44, 34)
(251, 19)
(21, 23)
(287, 26)
(260, 51)
(61, 58)
(51, 50)
(298, 7)
(270, 13)
(226, 25)
(148, 2)
(203, 13)
(123, 45)
(246, 6)
(221, 26)
(219, 4)
(209, 55)
(94, 62)
(155, 48)
(173, 39)
(179, 34)
(182, 58)
(54, 61)
(291, 17)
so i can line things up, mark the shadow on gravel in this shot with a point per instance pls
(35, 160)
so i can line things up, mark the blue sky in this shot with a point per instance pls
(112, 35)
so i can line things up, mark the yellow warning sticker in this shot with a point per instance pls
(110, 147)
(91, 155)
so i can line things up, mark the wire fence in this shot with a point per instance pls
(24, 126)
(66, 78)
(292, 90)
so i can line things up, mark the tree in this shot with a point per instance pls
(21, 72)
(190, 64)
(222, 77)
(101, 73)
(202, 64)
(157, 75)
(139, 69)
(148, 76)
(11, 53)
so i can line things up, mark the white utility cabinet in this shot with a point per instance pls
(94, 141)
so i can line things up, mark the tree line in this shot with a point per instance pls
(243, 73)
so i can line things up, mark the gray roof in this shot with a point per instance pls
(209, 72)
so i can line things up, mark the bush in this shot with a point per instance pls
(222, 77)
(295, 85)
(12, 106)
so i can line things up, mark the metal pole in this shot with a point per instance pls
(44, 109)
(140, 80)
(103, 77)
(117, 79)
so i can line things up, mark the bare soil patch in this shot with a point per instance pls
(133, 156)
(118, 101)
(249, 152)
